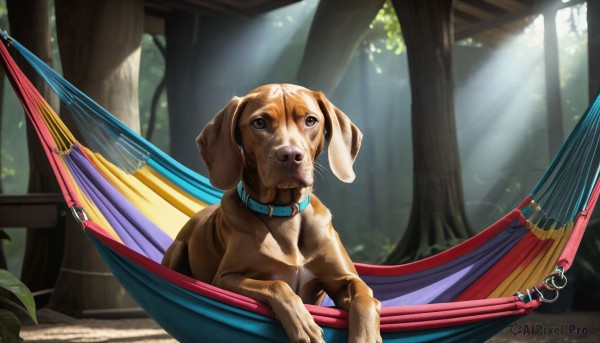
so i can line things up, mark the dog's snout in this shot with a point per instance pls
(290, 156)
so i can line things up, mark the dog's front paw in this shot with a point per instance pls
(306, 331)
(297, 322)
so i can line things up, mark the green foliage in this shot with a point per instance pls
(6, 172)
(373, 248)
(10, 288)
(387, 19)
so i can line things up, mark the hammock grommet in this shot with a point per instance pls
(79, 214)
(524, 298)
(6, 37)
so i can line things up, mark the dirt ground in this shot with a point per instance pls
(582, 327)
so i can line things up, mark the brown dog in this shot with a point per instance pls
(270, 239)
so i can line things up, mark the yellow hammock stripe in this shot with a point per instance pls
(524, 277)
(154, 207)
(169, 191)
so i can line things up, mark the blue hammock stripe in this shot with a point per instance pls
(86, 111)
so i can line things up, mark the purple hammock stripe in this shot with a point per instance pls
(135, 230)
(445, 282)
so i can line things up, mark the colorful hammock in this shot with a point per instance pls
(131, 199)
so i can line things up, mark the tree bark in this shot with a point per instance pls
(185, 87)
(3, 235)
(197, 89)
(100, 52)
(30, 24)
(198, 85)
(335, 33)
(437, 219)
(552, 73)
(100, 44)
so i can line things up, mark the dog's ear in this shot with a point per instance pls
(344, 139)
(219, 148)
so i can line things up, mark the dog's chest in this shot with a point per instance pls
(285, 249)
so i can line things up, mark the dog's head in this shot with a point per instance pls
(276, 133)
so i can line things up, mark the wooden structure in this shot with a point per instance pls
(34, 211)
(493, 22)
(489, 21)
(242, 8)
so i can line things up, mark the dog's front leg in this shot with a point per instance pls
(364, 310)
(297, 322)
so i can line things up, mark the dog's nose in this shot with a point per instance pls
(289, 156)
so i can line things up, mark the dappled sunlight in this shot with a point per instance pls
(501, 113)
(501, 129)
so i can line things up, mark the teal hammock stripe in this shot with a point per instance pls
(564, 190)
(199, 316)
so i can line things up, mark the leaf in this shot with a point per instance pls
(9, 327)
(4, 300)
(16, 287)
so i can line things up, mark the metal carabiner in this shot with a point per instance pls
(543, 298)
(557, 280)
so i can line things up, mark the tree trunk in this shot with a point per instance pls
(3, 235)
(44, 248)
(186, 88)
(335, 33)
(100, 45)
(552, 73)
(437, 219)
(100, 52)
(198, 85)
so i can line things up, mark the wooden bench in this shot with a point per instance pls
(35, 211)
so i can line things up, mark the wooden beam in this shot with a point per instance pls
(489, 7)
(509, 17)
(473, 10)
(37, 211)
(212, 7)
(458, 13)
(484, 25)
(509, 5)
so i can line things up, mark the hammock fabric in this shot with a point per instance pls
(131, 199)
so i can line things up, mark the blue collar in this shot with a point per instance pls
(271, 210)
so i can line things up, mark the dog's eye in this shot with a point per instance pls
(310, 121)
(259, 123)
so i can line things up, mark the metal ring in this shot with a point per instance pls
(552, 283)
(543, 298)
(555, 281)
